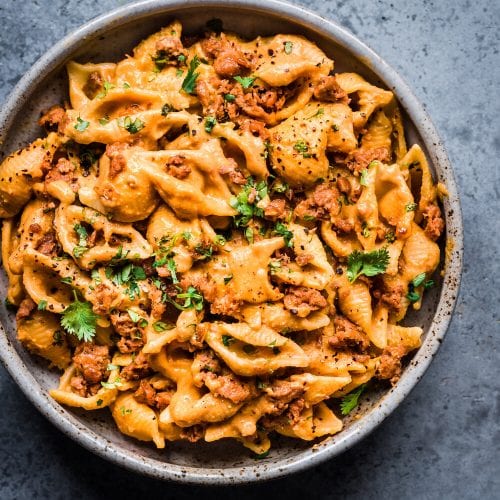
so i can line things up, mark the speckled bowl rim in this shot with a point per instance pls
(272, 468)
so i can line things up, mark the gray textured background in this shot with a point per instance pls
(444, 440)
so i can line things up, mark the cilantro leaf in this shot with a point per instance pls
(350, 401)
(189, 81)
(282, 230)
(245, 81)
(131, 126)
(79, 319)
(42, 305)
(160, 326)
(369, 264)
(303, 148)
(246, 201)
(210, 123)
(81, 125)
(192, 299)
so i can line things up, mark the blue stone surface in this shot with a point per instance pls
(444, 440)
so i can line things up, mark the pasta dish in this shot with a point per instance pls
(219, 238)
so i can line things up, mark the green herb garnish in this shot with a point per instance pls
(81, 125)
(245, 81)
(189, 82)
(369, 264)
(79, 319)
(350, 401)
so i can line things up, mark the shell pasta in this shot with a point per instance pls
(219, 238)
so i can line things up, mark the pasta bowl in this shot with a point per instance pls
(107, 38)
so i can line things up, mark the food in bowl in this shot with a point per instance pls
(219, 238)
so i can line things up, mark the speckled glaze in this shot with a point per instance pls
(108, 38)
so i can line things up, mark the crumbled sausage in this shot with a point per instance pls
(361, 158)
(229, 59)
(193, 433)
(52, 119)
(105, 297)
(390, 295)
(145, 393)
(390, 363)
(63, 170)
(294, 411)
(91, 361)
(434, 221)
(256, 127)
(232, 170)
(139, 368)
(118, 161)
(168, 49)
(348, 335)
(26, 307)
(322, 203)
(178, 167)
(47, 244)
(276, 209)
(327, 89)
(93, 85)
(302, 301)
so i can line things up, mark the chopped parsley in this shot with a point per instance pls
(42, 305)
(135, 317)
(227, 340)
(189, 81)
(79, 319)
(227, 279)
(245, 205)
(112, 385)
(288, 47)
(172, 267)
(249, 235)
(410, 207)
(389, 236)
(104, 120)
(245, 81)
(303, 148)
(68, 280)
(107, 86)
(229, 97)
(160, 326)
(131, 126)
(210, 123)
(418, 280)
(282, 230)
(81, 125)
(192, 299)
(367, 263)
(350, 401)
(320, 112)
(365, 230)
(127, 274)
(220, 240)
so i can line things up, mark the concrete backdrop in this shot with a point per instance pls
(444, 440)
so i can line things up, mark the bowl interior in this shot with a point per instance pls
(201, 461)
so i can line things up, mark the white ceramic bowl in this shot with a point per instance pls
(108, 38)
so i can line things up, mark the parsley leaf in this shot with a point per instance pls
(282, 230)
(410, 207)
(245, 81)
(79, 319)
(303, 148)
(246, 201)
(229, 97)
(81, 125)
(42, 305)
(160, 326)
(288, 47)
(192, 299)
(106, 87)
(389, 236)
(418, 280)
(82, 234)
(172, 267)
(131, 126)
(189, 81)
(350, 401)
(369, 264)
(210, 123)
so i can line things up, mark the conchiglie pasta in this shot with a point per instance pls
(219, 239)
